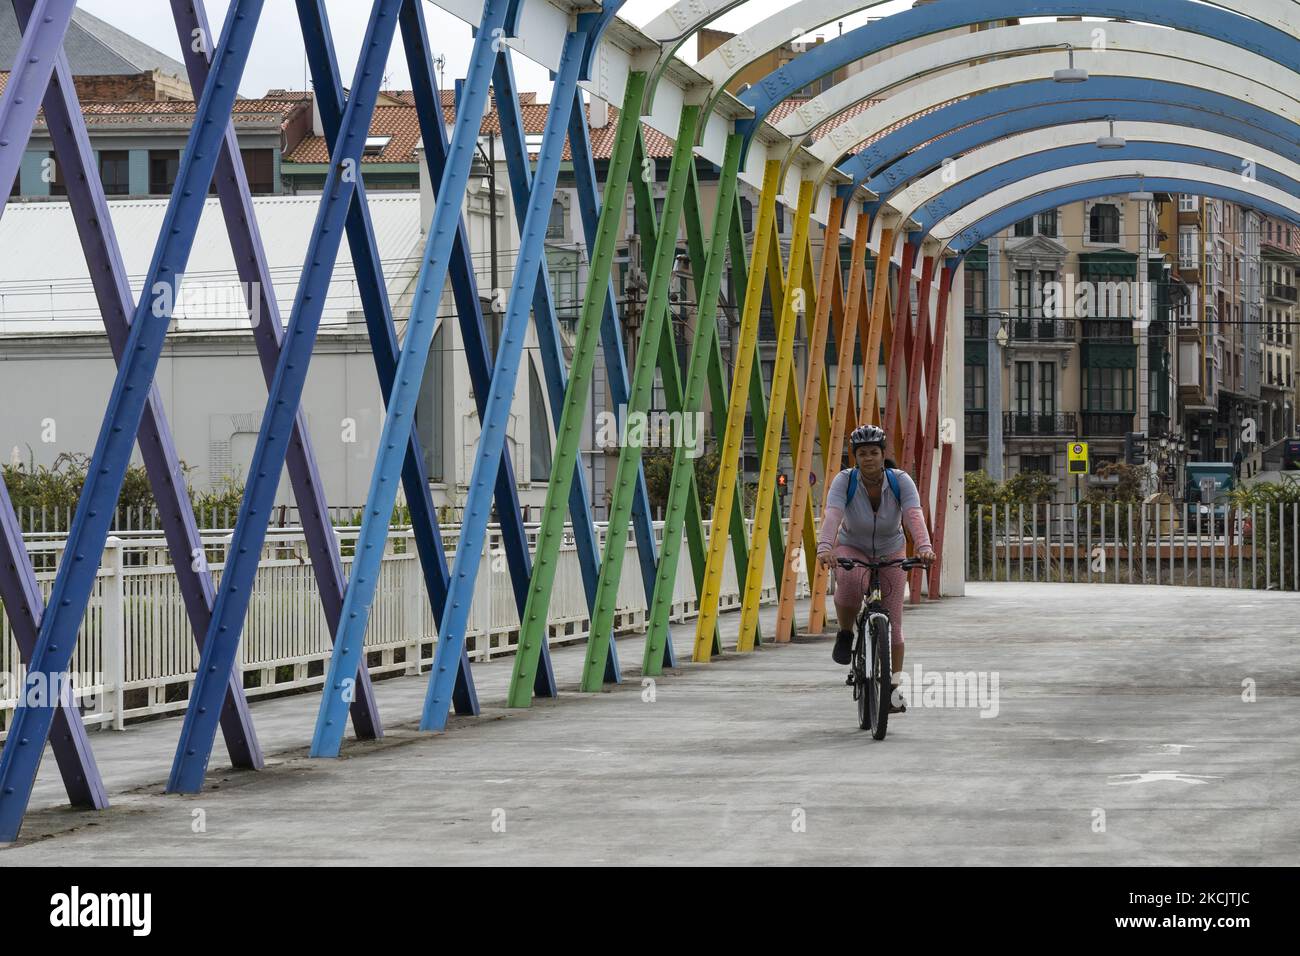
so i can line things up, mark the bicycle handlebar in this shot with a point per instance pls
(907, 564)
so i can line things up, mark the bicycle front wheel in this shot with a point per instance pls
(880, 676)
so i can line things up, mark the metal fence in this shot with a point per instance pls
(1164, 543)
(136, 654)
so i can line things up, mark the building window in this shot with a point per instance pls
(1036, 464)
(1188, 247)
(1024, 387)
(1025, 227)
(976, 284)
(1024, 291)
(259, 167)
(1047, 387)
(539, 430)
(115, 172)
(555, 225)
(976, 387)
(432, 409)
(974, 462)
(1189, 203)
(163, 164)
(1047, 223)
(1103, 223)
(1110, 390)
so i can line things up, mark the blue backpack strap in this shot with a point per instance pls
(893, 484)
(853, 485)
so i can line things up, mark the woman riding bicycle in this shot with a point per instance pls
(864, 521)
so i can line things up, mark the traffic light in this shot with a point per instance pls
(1135, 448)
(780, 483)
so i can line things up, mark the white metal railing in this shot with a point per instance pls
(1214, 545)
(136, 654)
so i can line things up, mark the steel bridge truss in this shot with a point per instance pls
(878, 229)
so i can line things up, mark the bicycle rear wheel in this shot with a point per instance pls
(880, 677)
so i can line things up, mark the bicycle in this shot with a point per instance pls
(871, 675)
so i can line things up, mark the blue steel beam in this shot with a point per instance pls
(85, 543)
(528, 263)
(469, 310)
(498, 21)
(117, 303)
(268, 337)
(510, 117)
(373, 291)
(198, 731)
(966, 191)
(21, 595)
(923, 21)
(1012, 213)
(28, 80)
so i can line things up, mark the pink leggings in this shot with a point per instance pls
(851, 587)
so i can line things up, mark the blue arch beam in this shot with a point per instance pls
(931, 157)
(1014, 212)
(920, 22)
(874, 160)
(967, 191)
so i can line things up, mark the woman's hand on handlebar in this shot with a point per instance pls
(826, 559)
(926, 556)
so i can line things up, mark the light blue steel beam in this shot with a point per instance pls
(966, 191)
(194, 748)
(586, 541)
(923, 21)
(474, 338)
(527, 264)
(85, 542)
(373, 292)
(497, 22)
(1012, 213)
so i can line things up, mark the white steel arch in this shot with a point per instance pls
(801, 18)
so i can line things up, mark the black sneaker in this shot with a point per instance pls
(843, 652)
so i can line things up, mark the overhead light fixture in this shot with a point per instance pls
(1072, 73)
(1111, 141)
(1142, 194)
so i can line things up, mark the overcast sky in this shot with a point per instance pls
(277, 59)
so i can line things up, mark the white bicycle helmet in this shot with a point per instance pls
(866, 435)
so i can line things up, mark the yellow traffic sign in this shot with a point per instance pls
(1077, 451)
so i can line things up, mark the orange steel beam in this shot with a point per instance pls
(856, 298)
(918, 361)
(930, 436)
(803, 455)
(902, 326)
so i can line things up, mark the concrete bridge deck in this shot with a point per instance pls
(1114, 699)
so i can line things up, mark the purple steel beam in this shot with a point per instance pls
(108, 276)
(22, 599)
(268, 333)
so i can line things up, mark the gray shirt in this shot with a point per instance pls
(873, 532)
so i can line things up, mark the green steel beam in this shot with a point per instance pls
(533, 626)
(703, 351)
(629, 455)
